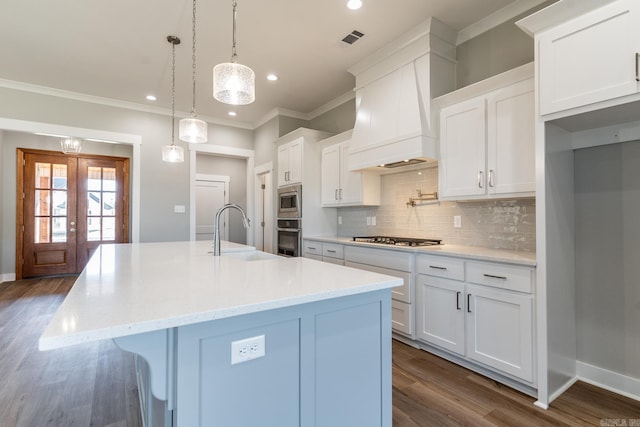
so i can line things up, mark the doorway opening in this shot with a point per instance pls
(264, 220)
(66, 207)
(212, 192)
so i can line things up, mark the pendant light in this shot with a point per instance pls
(173, 153)
(71, 145)
(234, 83)
(193, 129)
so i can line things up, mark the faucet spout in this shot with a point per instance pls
(216, 225)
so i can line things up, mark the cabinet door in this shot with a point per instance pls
(591, 58)
(511, 139)
(283, 165)
(440, 312)
(330, 175)
(295, 162)
(350, 182)
(500, 330)
(462, 149)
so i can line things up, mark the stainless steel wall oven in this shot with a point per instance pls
(289, 237)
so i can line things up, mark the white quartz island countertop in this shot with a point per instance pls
(127, 289)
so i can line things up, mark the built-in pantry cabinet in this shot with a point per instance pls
(487, 142)
(590, 58)
(290, 163)
(478, 310)
(341, 187)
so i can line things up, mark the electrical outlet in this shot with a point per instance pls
(179, 209)
(368, 220)
(247, 349)
(457, 221)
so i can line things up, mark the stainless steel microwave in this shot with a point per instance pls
(290, 202)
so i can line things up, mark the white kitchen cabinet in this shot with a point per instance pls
(487, 145)
(481, 311)
(290, 163)
(341, 187)
(500, 330)
(322, 251)
(591, 58)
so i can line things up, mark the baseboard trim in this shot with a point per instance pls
(9, 277)
(609, 380)
(562, 389)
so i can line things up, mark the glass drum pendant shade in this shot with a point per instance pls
(234, 83)
(193, 130)
(71, 145)
(172, 154)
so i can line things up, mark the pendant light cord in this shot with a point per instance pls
(193, 57)
(173, 87)
(234, 55)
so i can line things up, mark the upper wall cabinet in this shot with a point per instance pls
(341, 187)
(591, 58)
(290, 159)
(487, 144)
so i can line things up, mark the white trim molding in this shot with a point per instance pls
(609, 380)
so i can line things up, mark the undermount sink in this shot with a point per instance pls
(251, 255)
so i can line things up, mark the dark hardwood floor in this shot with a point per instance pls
(94, 384)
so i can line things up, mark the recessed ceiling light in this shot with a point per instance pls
(272, 77)
(232, 113)
(151, 98)
(354, 4)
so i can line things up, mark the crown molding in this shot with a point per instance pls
(498, 17)
(336, 102)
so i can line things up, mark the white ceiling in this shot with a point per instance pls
(117, 48)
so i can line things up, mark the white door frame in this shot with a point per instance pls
(222, 151)
(225, 180)
(265, 168)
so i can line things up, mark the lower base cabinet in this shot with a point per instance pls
(486, 323)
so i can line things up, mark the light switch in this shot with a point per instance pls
(179, 209)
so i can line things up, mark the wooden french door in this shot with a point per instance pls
(68, 206)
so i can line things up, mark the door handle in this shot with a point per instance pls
(71, 230)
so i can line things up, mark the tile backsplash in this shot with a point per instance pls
(498, 224)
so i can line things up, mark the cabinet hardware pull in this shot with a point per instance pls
(480, 178)
(637, 70)
(311, 247)
(335, 194)
(468, 303)
(341, 194)
(491, 178)
(495, 277)
(330, 251)
(437, 267)
(458, 300)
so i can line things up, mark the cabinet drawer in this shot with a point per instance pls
(402, 318)
(312, 247)
(332, 250)
(379, 257)
(449, 268)
(400, 293)
(500, 276)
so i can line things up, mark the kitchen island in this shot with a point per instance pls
(325, 331)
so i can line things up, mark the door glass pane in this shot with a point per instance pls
(42, 203)
(109, 179)
(109, 204)
(41, 234)
(93, 229)
(108, 229)
(43, 175)
(94, 178)
(59, 229)
(60, 177)
(93, 203)
(59, 207)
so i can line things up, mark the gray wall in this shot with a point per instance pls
(162, 185)
(607, 210)
(501, 224)
(236, 170)
(288, 124)
(495, 51)
(338, 120)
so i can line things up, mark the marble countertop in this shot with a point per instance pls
(469, 252)
(127, 289)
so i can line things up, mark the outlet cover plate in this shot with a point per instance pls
(247, 349)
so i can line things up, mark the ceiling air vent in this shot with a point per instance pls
(353, 37)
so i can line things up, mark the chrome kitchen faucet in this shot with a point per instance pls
(216, 225)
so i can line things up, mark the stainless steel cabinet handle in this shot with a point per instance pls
(437, 267)
(480, 178)
(490, 177)
(341, 194)
(331, 251)
(458, 300)
(637, 70)
(311, 247)
(495, 277)
(468, 303)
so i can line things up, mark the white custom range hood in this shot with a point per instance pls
(394, 88)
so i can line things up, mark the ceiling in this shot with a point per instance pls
(117, 49)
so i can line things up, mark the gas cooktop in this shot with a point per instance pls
(397, 241)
